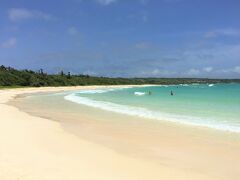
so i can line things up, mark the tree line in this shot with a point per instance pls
(12, 77)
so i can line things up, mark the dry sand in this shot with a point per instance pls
(38, 148)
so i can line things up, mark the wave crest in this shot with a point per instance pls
(145, 113)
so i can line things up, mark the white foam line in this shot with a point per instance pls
(92, 91)
(142, 112)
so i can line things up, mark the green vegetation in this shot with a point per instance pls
(10, 77)
(10, 87)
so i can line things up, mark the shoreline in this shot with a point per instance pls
(48, 145)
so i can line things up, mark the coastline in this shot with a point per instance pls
(37, 148)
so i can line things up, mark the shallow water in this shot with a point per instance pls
(209, 105)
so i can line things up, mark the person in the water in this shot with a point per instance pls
(149, 93)
(171, 93)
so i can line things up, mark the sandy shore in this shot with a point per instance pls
(38, 148)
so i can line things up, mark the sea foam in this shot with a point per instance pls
(139, 93)
(145, 113)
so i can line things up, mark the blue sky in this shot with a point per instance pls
(127, 38)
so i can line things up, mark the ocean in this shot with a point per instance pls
(215, 106)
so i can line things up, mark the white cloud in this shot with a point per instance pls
(229, 32)
(162, 72)
(155, 73)
(236, 69)
(208, 69)
(193, 72)
(222, 32)
(11, 42)
(106, 2)
(91, 73)
(19, 14)
(215, 56)
(72, 31)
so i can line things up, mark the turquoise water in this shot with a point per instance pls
(209, 105)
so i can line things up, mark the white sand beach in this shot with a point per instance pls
(37, 148)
